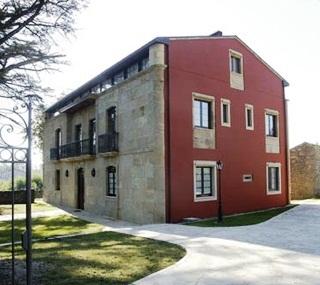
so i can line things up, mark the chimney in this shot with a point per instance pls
(216, 34)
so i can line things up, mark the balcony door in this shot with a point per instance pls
(111, 120)
(58, 142)
(78, 139)
(80, 186)
(92, 136)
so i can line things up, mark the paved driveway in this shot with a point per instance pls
(283, 250)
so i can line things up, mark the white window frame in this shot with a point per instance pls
(204, 163)
(275, 113)
(228, 103)
(278, 165)
(233, 53)
(249, 107)
(209, 99)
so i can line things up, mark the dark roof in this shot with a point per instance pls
(131, 58)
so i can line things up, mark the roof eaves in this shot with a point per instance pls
(109, 71)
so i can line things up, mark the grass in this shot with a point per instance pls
(38, 206)
(243, 219)
(48, 227)
(99, 258)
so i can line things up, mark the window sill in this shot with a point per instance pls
(204, 199)
(111, 197)
(273, 192)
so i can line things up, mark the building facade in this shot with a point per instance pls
(141, 141)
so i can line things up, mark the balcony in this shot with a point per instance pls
(72, 150)
(108, 143)
(86, 149)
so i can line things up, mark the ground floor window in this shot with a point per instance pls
(205, 183)
(111, 181)
(57, 178)
(273, 178)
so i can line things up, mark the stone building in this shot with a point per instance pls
(141, 141)
(305, 171)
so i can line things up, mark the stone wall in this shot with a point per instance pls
(139, 103)
(305, 171)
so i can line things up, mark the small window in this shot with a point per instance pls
(249, 117)
(236, 64)
(144, 64)
(204, 180)
(132, 70)
(118, 77)
(106, 84)
(111, 181)
(202, 114)
(271, 125)
(273, 178)
(57, 178)
(225, 113)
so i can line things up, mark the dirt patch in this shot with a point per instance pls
(38, 269)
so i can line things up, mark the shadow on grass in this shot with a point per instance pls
(100, 258)
(47, 227)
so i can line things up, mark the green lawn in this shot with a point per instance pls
(99, 258)
(38, 206)
(242, 219)
(48, 227)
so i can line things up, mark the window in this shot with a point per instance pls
(58, 142)
(225, 113)
(235, 64)
(118, 77)
(144, 64)
(92, 135)
(111, 181)
(132, 70)
(111, 120)
(271, 124)
(249, 117)
(236, 70)
(106, 84)
(78, 133)
(204, 180)
(57, 178)
(202, 113)
(273, 178)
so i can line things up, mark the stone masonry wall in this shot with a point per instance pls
(305, 171)
(139, 103)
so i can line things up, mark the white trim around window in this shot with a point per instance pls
(205, 164)
(276, 177)
(249, 119)
(225, 117)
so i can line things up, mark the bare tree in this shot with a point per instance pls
(28, 29)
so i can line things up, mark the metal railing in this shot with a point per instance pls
(73, 149)
(108, 142)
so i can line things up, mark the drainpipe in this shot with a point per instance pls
(287, 151)
(168, 141)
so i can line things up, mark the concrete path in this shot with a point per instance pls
(284, 250)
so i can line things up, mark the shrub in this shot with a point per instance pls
(37, 181)
(5, 185)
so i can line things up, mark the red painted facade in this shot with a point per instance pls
(202, 65)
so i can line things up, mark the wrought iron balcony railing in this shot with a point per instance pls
(73, 149)
(108, 142)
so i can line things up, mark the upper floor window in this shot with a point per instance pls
(236, 64)
(92, 134)
(236, 70)
(132, 70)
(202, 113)
(118, 77)
(78, 133)
(111, 181)
(271, 124)
(144, 63)
(111, 119)
(249, 117)
(225, 113)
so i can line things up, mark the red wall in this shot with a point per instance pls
(203, 66)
